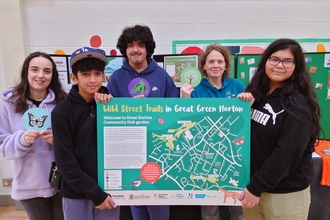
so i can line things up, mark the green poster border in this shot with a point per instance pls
(175, 197)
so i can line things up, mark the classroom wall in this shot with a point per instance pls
(61, 26)
(12, 53)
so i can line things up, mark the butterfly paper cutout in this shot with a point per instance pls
(36, 121)
(239, 141)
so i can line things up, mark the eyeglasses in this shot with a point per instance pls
(274, 61)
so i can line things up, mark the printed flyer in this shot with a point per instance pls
(183, 69)
(174, 151)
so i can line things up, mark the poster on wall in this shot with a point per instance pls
(327, 60)
(113, 64)
(174, 151)
(183, 69)
(62, 68)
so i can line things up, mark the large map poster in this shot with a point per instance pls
(174, 151)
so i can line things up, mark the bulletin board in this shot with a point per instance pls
(245, 66)
(318, 65)
(62, 66)
(232, 68)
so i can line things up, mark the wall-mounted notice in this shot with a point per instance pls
(183, 69)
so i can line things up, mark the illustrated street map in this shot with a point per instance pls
(174, 151)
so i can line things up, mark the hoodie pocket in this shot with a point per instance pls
(33, 171)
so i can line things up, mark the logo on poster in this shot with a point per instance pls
(200, 196)
(178, 196)
(132, 197)
(160, 196)
(114, 196)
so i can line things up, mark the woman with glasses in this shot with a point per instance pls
(284, 127)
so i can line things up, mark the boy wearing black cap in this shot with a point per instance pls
(76, 158)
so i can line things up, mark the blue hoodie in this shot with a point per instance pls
(230, 89)
(153, 81)
(31, 162)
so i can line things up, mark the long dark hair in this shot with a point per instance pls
(21, 90)
(298, 84)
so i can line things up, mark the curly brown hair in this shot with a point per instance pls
(138, 33)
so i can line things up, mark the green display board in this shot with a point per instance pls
(232, 68)
(174, 151)
(245, 66)
(318, 65)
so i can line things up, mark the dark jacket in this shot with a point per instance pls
(77, 164)
(281, 145)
